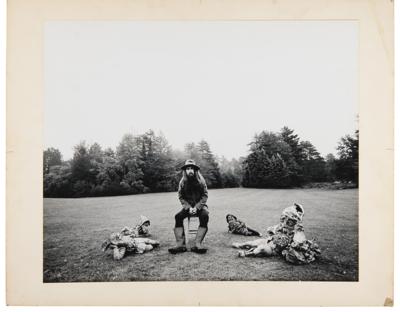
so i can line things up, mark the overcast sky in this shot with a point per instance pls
(218, 81)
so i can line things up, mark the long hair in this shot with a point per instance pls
(197, 182)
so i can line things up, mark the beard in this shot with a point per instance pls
(192, 180)
(191, 177)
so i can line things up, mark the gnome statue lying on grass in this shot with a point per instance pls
(286, 239)
(237, 226)
(141, 229)
(130, 240)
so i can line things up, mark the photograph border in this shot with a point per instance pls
(24, 181)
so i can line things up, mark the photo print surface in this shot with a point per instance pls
(250, 128)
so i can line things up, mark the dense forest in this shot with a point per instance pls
(147, 163)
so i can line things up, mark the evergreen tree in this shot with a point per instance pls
(96, 153)
(292, 139)
(209, 165)
(83, 173)
(330, 167)
(128, 156)
(312, 164)
(269, 163)
(157, 164)
(296, 162)
(227, 170)
(347, 164)
(191, 152)
(109, 176)
(81, 165)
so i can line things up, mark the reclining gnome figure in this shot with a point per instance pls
(286, 239)
(237, 226)
(130, 240)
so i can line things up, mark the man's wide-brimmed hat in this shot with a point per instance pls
(190, 163)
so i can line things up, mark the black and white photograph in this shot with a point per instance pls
(200, 151)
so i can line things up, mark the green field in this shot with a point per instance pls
(75, 228)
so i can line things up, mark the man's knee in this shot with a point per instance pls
(203, 213)
(179, 217)
(203, 217)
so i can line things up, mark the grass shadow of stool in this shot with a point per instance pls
(190, 225)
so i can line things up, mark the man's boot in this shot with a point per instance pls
(198, 248)
(180, 241)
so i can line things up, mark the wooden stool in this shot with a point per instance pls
(190, 226)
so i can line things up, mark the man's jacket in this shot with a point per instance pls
(193, 196)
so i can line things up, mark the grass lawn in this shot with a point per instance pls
(75, 228)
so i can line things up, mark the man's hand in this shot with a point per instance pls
(198, 206)
(193, 210)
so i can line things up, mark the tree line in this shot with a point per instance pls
(147, 163)
(282, 160)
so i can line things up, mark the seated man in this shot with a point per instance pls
(193, 196)
(236, 226)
